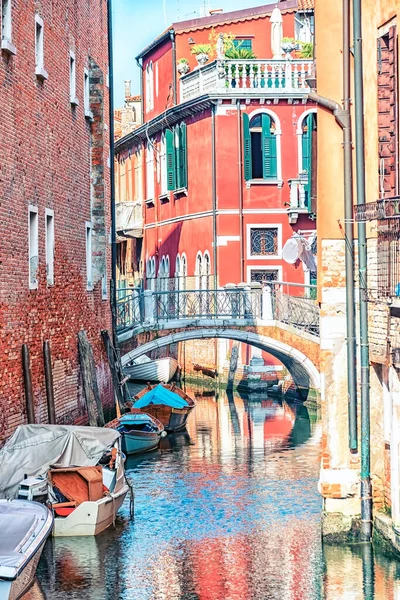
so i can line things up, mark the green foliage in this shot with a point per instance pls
(240, 54)
(201, 49)
(183, 61)
(306, 50)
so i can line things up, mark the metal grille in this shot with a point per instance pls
(264, 275)
(264, 241)
(388, 258)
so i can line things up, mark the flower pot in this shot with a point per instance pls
(183, 68)
(202, 58)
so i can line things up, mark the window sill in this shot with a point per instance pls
(278, 182)
(164, 198)
(89, 287)
(41, 74)
(33, 286)
(149, 202)
(180, 192)
(89, 115)
(74, 101)
(267, 257)
(8, 47)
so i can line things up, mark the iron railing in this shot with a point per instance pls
(292, 304)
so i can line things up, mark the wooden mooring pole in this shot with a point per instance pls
(26, 366)
(48, 373)
(233, 365)
(89, 380)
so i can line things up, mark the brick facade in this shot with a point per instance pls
(53, 158)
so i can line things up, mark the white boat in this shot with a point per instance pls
(145, 369)
(24, 527)
(85, 507)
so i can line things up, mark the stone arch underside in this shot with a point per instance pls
(302, 369)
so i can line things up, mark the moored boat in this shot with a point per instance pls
(167, 403)
(145, 369)
(139, 431)
(79, 469)
(24, 527)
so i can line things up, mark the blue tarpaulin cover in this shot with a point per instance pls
(160, 395)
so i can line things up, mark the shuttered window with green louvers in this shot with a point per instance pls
(307, 151)
(259, 148)
(176, 148)
(170, 145)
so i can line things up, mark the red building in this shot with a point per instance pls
(55, 198)
(223, 163)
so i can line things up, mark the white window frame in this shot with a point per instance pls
(86, 94)
(40, 71)
(6, 28)
(89, 259)
(299, 133)
(50, 243)
(163, 167)
(278, 134)
(251, 226)
(264, 268)
(156, 78)
(72, 79)
(150, 188)
(33, 244)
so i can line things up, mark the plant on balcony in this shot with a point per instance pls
(183, 66)
(288, 45)
(213, 38)
(306, 50)
(240, 54)
(202, 52)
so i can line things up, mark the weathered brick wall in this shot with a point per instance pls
(52, 157)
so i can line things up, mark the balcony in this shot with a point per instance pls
(298, 200)
(129, 219)
(274, 78)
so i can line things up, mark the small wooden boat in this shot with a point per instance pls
(24, 526)
(209, 371)
(140, 432)
(145, 369)
(167, 403)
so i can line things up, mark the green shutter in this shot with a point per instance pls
(177, 143)
(268, 149)
(183, 149)
(169, 142)
(247, 147)
(306, 151)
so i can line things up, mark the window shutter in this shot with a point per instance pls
(268, 149)
(247, 147)
(183, 149)
(306, 142)
(170, 148)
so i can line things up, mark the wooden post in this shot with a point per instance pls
(84, 357)
(48, 373)
(115, 372)
(233, 365)
(26, 365)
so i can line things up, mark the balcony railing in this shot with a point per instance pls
(251, 77)
(129, 219)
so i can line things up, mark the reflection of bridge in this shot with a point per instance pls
(283, 324)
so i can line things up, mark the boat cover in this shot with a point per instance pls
(161, 395)
(33, 448)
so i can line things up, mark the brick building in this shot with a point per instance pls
(54, 194)
(221, 171)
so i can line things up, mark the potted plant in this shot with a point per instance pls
(183, 66)
(201, 52)
(288, 45)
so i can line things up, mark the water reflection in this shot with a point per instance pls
(227, 510)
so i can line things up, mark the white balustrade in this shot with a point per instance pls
(129, 218)
(297, 194)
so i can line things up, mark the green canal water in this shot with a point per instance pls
(227, 510)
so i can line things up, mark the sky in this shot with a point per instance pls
(137, 22)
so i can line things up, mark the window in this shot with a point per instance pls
(89, 268)
(6, 28)
(157, 80)
(33, 234)
(86, 95)
(39, 56)
(150, 172)
(264, 241)
(163, 167)
(176, 149)
(49, 225)
(264, 276)
(151, 273)
(304, 27)
(260, 148)
(149, 87)
(72, 79)
(245, 44)
(308, 157)
(138, 191)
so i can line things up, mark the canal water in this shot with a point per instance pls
(227, 510)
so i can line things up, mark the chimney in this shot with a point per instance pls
(128, 88)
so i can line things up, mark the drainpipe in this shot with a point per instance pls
(141, 89)
(342, 116)
(366, 488)
(241, 242)
(113, 294)
(172, 37)
(214, 192)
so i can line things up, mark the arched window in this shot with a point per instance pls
(308, 156)
(206, 271)
(150, 273)
(198, 270)
(261, 135)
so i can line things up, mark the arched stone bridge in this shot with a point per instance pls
(285, 326)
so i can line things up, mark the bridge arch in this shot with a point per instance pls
(303, 371)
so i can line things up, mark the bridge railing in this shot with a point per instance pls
(293, 304)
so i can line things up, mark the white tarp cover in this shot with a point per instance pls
(33, 448)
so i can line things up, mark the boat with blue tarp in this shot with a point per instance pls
(140, 432)
(167, 403)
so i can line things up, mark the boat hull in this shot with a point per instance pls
(162, 369)
(173, 419)
(138, 442)
(11, 590)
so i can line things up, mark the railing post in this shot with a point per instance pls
(232, 296)
(256, 299)
(267, 309)
(288, 74)
(148, 299)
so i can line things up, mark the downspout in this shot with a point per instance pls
(366, 488)
(342, 116)
(113, 286)
(141, 89)
(214, 192)
(241, 236)
(172, 37)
